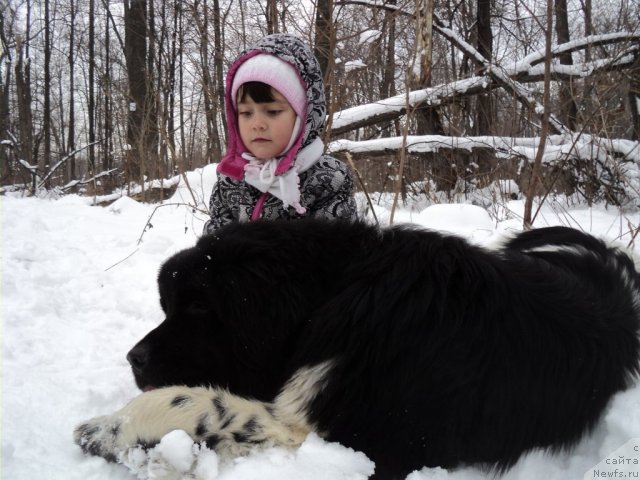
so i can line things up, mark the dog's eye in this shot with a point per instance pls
(197, 307)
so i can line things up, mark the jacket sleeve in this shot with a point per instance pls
(332, 191)
(219, 210)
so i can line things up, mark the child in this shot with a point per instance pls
(274, 166)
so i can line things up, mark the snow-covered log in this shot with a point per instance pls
(558, 147)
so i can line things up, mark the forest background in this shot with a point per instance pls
(481, 99)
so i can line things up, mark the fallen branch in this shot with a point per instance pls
(559, 147)
(62, 162)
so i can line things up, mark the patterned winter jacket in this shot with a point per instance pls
(326, 187)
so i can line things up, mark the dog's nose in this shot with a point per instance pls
(138, 357)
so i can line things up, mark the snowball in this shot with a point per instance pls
(176, 448)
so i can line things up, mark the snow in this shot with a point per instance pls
(370, 36)
(78, 290)
(354, 65)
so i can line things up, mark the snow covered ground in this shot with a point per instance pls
(78, 291)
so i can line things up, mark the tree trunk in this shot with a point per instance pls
(567, 108)
(92, 99)
(272, 16)
(218, 59)
(71, 138)
(135, 18)
(484, 118)
(23, 97)
(107, 157)
(170, 99)
(152, 109)
(5, 84)
(388, 85)
(213, 152)
(324, 34)
(45, 159)
(183, 139)
(428, 119)
(634, 99)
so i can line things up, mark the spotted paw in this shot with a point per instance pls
(100, 436)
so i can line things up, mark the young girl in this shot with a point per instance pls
(274, 166)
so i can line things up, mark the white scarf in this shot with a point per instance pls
(286, 187)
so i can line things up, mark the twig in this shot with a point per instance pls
(363, 186)
(148, 223)
(123, 260)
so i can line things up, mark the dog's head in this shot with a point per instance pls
(237, 302)
(229, 311)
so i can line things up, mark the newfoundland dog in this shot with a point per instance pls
(414, 347)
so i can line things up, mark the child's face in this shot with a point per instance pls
(265, 128)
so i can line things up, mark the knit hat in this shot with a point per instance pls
(276, 73)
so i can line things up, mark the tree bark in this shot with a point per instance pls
(135, 18)
(71, 134)
(324, 34)
(107, 157)
(45, 159)
(428, 119)
(218, 59)
(484, 117)
(92, 99)
(567, 108)
(272, 17)
(634, 99)
(214, 149)
(23, 97)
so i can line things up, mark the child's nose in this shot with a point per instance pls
(259, 122)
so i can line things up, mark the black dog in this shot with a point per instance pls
(416, 348)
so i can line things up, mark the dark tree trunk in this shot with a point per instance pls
(71, 134)
(92, 98)
(324, 31)
(484, 118)
(135, 18)
(45, 160)
(23, 97)
(567, 108)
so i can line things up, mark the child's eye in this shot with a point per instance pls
(244, 114)
(274, 113)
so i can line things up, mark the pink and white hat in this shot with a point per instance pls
(278, 74)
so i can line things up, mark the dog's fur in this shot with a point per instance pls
(416, 348)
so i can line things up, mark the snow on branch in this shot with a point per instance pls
(558, 147)
(62, 161)
(527, 69)
(85, 181)
(393, 107)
